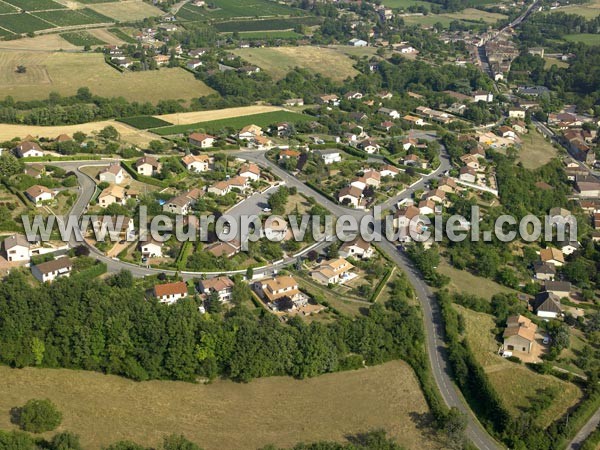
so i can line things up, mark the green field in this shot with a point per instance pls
(403, 4)
(465, 282)
(35, 5)
(5, 8)
(535, 150)
(468, 15)
(265, 24)
(81, 38)
(516, 384)
(145, 122)
(23, 23)
(227, 9)
(236, 123)
(122, 35)
(69, 18)
(585, 38)
(103, 409)
(275, 34)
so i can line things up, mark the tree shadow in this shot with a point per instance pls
(15, 415)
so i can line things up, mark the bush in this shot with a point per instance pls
(38, 416)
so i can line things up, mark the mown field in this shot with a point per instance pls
(214, 126)
(589, 9)
(462, 281)
(225, 415)
(516, 384)
(585, 38)
(65, 73)
(467, 15)
(278, 61)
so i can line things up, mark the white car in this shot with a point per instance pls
(267, 210)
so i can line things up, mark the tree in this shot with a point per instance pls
(21, 69)
(109, 133)
(178, 442)
(38, 416)
(65, 441)
(10, 165)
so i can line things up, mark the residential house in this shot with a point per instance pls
(587, 185)
(516, 112)
(519, 334)
(330, 157)
(197, 163)
(568, 247)
(359, 183)
(275, 229)
(239, 182)
(113, 174)
(147, 166)
(282, 292)
(250, 171)
(220, 188)
(372, 178)
(426, 207)
(151, 248)
(483, 96)
(414, 120)
(51, 270)
(33, 170)
(389, 171)
(112, 194)
(39, 194)
(392, 113)
(544, 271)
(467, 174)
(330, 99)
(28, 149)
(223, 249)
(182, 204)
(406, 221)
(201, 140)
(507, 132)
(547, 305)
(369, 146)
(520, 127)
(561, 289)
(222, 286)
(16, 248)
(169, 293)
(351, 195)
(448, 185)
(414, 161)
(356, 248)
(552, 256)
(386, 125)
(116, 228)
(162, 60)
(193, 64)
(262, 143)
(294, 102)
(471, 161)
(249, 132)
(357, 43)
(436, 195)
(333, 271)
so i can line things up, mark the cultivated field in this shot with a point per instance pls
(278, 61)
(128, 10)
(515, 383)
(65, 73)
(468, 15)
(106, 36)
(535, 151)
(229, 9)
(225, 415)
(128, 134)
(216, 114)
(586, 38)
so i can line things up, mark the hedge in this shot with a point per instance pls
(96, 270)
(128, 166)
(320, 191)
(382, 283)
(62, 158)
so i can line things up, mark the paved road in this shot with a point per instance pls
(431, 314)
(587, 429)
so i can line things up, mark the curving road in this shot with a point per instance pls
(431, 314)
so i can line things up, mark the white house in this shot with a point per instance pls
(112, 194)
(113, 174)
(193, 64)
(202, 140)
(196, 163)
(330, 158)
(51, 270)
(356, 248)
(151, 248)
(16, 248)
(223, 286)
(483, 96)
(389, 171)
(171, 292)
(392, 113)
(358, 43)
(516, 113)
(183, 203)
(332, 271)
(39, 194)
(351, 195)
(250, 171)
(147, 166)
(547, 305)
(28, 149)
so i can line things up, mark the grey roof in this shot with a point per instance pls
(542, 267)
(547, 302)
(54, 265)
(561, 286)
(15, 240)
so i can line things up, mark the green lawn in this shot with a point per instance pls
(586, 38)
(214, 126)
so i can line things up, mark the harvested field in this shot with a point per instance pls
(217, 114)
(106, 36)
(48, 42)
(126, 11)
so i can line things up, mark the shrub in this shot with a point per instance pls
(38, 416)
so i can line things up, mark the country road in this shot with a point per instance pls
(433, 323)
